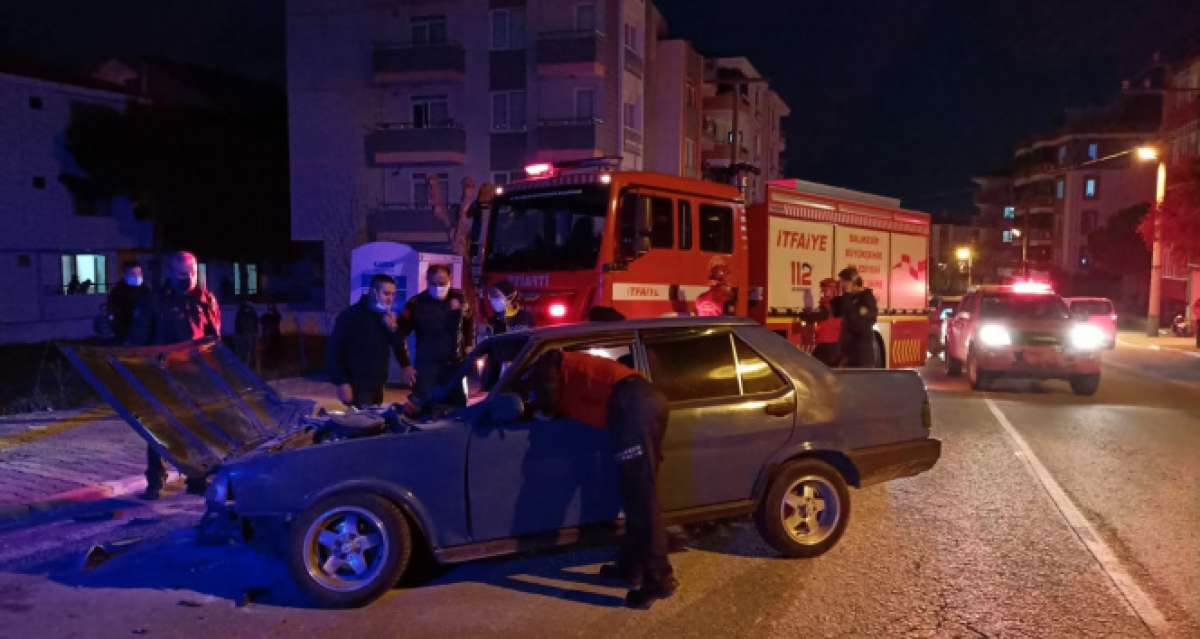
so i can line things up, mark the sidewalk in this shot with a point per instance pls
(53, 459)
(1139, 339)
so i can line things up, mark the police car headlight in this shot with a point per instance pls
(1086, 337)
(219, 492)
(994, 336)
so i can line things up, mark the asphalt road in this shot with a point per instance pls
(983, 545)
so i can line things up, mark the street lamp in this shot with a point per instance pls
(963, 253)
(1016, 232)
(1150, 154)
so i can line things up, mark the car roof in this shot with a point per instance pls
(583, 329)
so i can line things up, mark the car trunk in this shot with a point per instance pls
(195, 402)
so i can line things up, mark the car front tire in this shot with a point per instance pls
(347, 550)
(1085, 385)
(978, 378)
(805, 510)
(953, 366)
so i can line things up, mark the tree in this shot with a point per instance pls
(1115, 248)
(1179, 215)
(212, 182)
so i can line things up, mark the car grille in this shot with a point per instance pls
(1037, 338)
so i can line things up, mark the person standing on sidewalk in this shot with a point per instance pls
(124, 298)
(245, 333)
(857, 309)
(441, 320)
(181, 311)
(364, 337)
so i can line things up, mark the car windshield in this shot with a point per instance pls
(1092, 307)
(558, 230)
(1023, 307)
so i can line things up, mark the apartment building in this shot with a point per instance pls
(741, 125)
(384, 98)
(1180, 140)
(59, 229)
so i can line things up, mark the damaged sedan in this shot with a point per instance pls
(757, 428)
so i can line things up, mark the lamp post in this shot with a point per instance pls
(963, 253)
(1024, 237)
(1150, 154)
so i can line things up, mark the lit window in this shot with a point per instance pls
(1093, 150)
(237, 278)
(84, 274)
(1006, 237)
(1010, 212)
(1090, 187)
(202, 274)
(1060, 188)
(251, 279)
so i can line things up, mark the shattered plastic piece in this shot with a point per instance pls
(95, 556)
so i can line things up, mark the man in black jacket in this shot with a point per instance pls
(124, 298)
(856, 307)
(442, 321)
(364, 335)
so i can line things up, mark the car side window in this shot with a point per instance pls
(662, 228)
(621, 352)
(757, 374)
(693, 367)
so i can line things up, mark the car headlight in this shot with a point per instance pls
(1086, 337)
(994, 335)
(218, 491)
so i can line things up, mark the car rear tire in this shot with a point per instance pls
(1085, 385)
(805, 510)
(347, 550)
(978, 378)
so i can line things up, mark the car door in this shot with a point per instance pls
(730, 410)
(537, 476)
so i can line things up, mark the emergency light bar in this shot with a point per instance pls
(1031, 287)
(539, 170)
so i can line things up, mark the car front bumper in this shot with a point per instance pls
(878, 464)
(1038, 362)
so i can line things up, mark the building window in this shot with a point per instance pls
(1060, 188)
(508, 111)
(250, 286)
(508, 29)
(1091, 187)
(430, 111)
(1010, 212)
(1006, 237)
(39, 182)
(35, 103)
(631, 38)
(585, 104)
(1093, 150)
(585, 17)
(662, 226)
(685, 225)
(1088, 222)
(429, 30)
(84, 274)
(716, 228)
(631, 121)
(422, 198)
(1062, 155)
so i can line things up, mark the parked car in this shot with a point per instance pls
(1022, 331)
(757, 428)
(1099, 312)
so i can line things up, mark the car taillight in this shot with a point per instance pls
(557, 310)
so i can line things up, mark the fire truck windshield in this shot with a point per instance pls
(553, 230)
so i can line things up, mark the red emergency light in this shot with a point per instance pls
(557, 310)
(539, 170)
(1031, 287)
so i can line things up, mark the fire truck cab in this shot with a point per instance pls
(574, 237)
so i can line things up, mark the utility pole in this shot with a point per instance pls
(1160, 192)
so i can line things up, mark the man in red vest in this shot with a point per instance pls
(605, 394)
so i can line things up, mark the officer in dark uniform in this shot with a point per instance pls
(124, 298)
(858, 312)
(441, 319)
(181, 311)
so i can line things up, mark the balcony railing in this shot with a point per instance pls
(403, 62)
(406, 143)
(633, 63)
(569, 52)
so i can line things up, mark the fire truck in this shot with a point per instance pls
(646, 244)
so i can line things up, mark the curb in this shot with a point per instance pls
(122, 487)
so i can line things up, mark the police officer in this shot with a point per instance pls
(856, 308)
(182, 310)
(441, 320)
(507, 314)
(124, 298)
(364, 337)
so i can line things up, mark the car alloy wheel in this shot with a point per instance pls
(810, 510)
(345, 548)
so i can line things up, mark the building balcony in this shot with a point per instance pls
(718, 155)
(402, 144)
(572, 53)
(568, 138)
(399, 63)
(405, 223)
(634, 63)
(724, 102)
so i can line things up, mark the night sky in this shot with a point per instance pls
(907, 98)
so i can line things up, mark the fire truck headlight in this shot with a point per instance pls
(994, 336)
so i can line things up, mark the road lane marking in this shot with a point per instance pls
(1141, 604)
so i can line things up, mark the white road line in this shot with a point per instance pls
(1137, 599)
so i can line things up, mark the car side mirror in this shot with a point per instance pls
(505, 408)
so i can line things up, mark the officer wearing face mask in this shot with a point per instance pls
(364, 337)
(124, 298)
(441, 320)
(507, 314)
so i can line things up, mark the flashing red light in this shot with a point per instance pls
(541, 169)
(557, 310)
(1031, 287)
